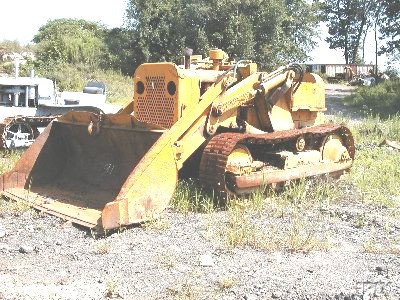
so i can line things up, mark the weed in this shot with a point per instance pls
(186, 290)
(240, 229)
(103, 247)
(167, 260)
(189, 197)
(295, 233)
(226, 282)
(308, 193)
(156, 224)
(15, 208)
(257, 199)
(372, 246)
(382, 243)
(279, 221)
(359, 221)
(111, 289)
(375, 172)
(373, 129)
(383, 98)
(301, 237)
(8, 158)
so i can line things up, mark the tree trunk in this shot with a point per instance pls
(358, 38)
(363, 43)
(376, 47)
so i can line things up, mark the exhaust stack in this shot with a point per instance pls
(187, 52)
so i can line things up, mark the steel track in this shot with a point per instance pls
(33, 122)
(215, 155)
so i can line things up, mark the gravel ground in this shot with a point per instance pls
(182, 256)
(334, 104)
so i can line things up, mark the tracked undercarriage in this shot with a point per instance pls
(21, 131)
(236, 163)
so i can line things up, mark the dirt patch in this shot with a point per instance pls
(183, 256)
(334, 101)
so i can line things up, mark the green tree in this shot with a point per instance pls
(270, 32)
(121, 51)
(70, 41)
(157, 27)
(390, 26)
(348, 21)
(7, 46)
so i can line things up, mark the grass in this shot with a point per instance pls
(306, 193)
(374, 128)
(102, 247)
(375, 246)
(383, 98)
(248, 219)
(158, 223)
(272, 220)
(8, 158)
(187, 289)
(282, 222)
(15, 208)
(190, 197)
(112, 289)
(241, 228)
(69, 77)
(376, 169)
(226, 282)
(167, 260)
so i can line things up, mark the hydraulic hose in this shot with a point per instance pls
(298, 70)
(235, 71)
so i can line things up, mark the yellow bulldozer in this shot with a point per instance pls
(242, 128)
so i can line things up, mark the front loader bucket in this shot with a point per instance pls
(123, 172)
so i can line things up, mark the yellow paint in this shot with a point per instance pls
(310, 95)
(333, 149)
(238, 159)
(188, 106)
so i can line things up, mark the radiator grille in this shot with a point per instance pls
(156, 106)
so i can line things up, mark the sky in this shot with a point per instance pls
(322, 54)
(26, 16)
